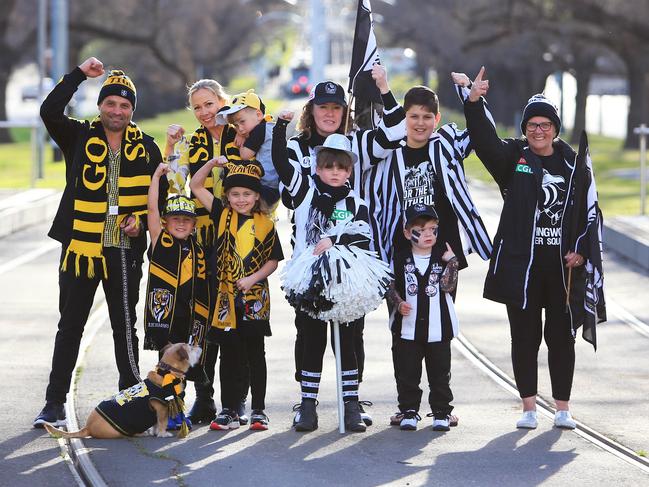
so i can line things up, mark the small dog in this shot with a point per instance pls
(142, 408)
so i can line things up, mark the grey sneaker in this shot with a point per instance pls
(528, 421)
(563, 419)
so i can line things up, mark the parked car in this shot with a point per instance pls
(299, 83)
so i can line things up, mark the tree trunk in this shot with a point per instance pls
(5, 72)
(638, 70)
(583, 80)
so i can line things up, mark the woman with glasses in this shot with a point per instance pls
(532, 259)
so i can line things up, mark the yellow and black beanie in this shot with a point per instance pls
(180, 205)
(244, 175)
(118, 84)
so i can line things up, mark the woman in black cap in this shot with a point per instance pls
(532, 258)
(324, 114)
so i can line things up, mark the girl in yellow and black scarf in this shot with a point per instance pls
(247, 252)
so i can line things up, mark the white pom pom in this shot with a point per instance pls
(355, 280)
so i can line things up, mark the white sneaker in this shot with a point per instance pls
(409, 420)
(563, 419)
(528, 420)
(443, 424)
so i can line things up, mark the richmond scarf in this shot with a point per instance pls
(91, 195)
(162, 293)
(242, 251)
(201, 150)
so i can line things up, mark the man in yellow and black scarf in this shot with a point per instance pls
(101, 222)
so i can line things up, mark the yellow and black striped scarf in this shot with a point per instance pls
(201, 150)
(162, 292)
(241, 252)
(91, 195)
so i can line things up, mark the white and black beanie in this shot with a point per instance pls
(540, 106)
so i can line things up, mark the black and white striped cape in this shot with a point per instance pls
(448, 147)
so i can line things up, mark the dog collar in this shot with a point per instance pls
(165, 368)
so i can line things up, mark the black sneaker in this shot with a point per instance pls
(308, 416)
(226, 420)
(53, 413)
(203, 411)
(365, 416)
(353, 421)
(258, 420)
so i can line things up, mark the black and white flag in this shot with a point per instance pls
(594, 306)
(364, 55)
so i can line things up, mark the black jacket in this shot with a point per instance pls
(519, 173)
(70, 135)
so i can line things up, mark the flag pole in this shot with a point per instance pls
(339, 378)
(348, 112)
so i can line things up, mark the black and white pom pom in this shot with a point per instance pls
(342, 284)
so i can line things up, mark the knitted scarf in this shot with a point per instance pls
(162, 289)
(91, 195)
(172, 387)
(241, 252)
(201, 150)
(322, 207)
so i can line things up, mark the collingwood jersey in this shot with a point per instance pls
(417, 281)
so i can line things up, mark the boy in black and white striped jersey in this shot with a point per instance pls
(423, 320)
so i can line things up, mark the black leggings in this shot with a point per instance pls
(545, 290)
(233, 370)
(314, 335)
(359, 344)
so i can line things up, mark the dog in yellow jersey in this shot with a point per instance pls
(144, 407)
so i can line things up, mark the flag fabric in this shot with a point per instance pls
(594, 305)
(364, 55)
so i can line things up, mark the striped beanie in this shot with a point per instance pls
(118, 84)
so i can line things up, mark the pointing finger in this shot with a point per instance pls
(480, 75)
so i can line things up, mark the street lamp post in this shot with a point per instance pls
(643, 131)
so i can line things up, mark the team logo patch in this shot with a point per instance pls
(160, 303)
(412, 290)
(330, 88)
(306, 162)
(410, 268)
(431, 291)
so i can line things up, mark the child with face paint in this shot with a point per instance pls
(423, 320)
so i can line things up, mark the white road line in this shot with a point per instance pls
(32, 254)
(627, 317)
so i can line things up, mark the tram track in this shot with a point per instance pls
(479, 360)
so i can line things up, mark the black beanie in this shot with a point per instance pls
(118, 84)
(540, 106)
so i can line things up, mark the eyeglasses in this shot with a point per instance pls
(532, 126)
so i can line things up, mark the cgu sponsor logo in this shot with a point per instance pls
(339, 215)
(521, 166)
